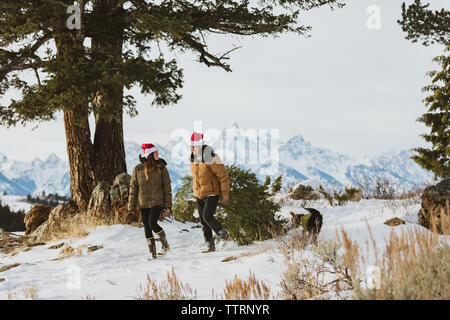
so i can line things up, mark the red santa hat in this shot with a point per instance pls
(197, 139)
(150, 147)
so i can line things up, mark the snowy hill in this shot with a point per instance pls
(298, 161)
(120, 266)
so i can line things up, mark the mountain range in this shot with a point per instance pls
(298, 161)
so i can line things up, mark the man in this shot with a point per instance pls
(210, 182)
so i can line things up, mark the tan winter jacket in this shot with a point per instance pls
(210, 178)
(156, 191)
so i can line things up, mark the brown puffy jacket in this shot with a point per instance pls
(210, 178)
(156, 191)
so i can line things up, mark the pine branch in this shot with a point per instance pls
(206, 57)
(19, 61)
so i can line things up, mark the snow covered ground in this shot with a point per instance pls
(116, 270)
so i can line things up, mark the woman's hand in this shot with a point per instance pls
(166, 212)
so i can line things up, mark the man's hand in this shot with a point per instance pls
(225, 197)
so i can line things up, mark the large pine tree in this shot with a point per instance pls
(433, 27)
(85, 70)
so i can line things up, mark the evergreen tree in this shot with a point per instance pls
(422, 24)
(249, 215)
(437, 158)
(276, 186)
(11, 221)
(84, 70)
(267, 182)
(184, 204)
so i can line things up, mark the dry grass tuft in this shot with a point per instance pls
(415, 265)
(29, 292)
(67, 251)
(251, 288)
(10, 266)
(250, 253)
(170, 289)
(314, 275)
(295, 241)
(12, 296)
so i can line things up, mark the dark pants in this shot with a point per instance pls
(206, 210)
(150, 220)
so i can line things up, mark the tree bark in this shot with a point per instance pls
(109, 150)
(79, 151)
(78, 137)
(101, 161)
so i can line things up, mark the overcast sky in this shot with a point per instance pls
(347, 88)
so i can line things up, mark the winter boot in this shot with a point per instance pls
(210, 246)
(152, 247)
(164, 244)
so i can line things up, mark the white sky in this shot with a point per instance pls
(347, 88)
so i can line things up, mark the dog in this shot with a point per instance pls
(311, 223)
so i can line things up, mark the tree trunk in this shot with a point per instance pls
(91, 163)
(109, 150)
(79, 151)
(78, 136)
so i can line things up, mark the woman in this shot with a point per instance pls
(210, 181)
(151, 193)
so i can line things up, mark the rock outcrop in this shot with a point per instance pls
(394, 222)
(108, 204)
(435, 210)
(35, 217)
(119, 190)
(100, 200)
(56, 222)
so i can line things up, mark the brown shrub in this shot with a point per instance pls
(415, 265)
(304, 193)
(169, 289)
(251, 288)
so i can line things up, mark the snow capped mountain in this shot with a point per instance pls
(327, 166)
(297, 160)
(22, 178)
